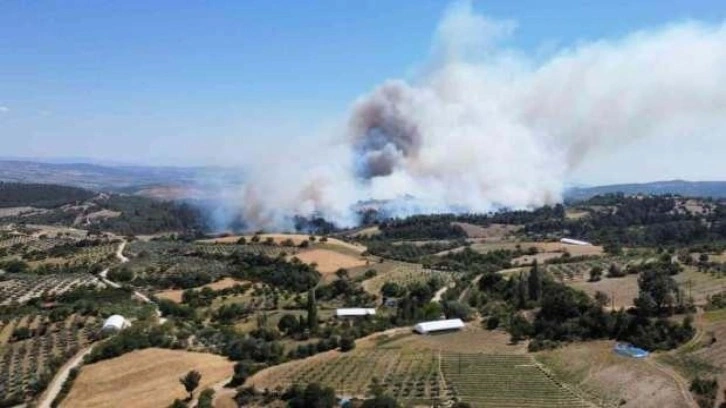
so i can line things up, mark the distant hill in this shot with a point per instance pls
(166, 182)
(716, 189)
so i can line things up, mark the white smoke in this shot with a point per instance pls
(487, 126)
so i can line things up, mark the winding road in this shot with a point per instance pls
(56, 384)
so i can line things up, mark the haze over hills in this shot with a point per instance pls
(205, 183)
(156, 181)
(716, 189)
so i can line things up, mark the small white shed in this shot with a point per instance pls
(354, 312)
(438, 325)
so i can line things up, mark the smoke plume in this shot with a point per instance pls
(485, 126)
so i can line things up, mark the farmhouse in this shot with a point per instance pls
(354, 312)
(438, 325)
(570, 241)
(115, 323)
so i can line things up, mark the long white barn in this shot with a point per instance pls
(438, 325)
(570, 241)
(354, 311)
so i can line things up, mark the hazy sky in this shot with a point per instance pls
(199, 82)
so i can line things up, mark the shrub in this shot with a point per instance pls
(347, 343)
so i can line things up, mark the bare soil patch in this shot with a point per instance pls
(225, 401)
(621, 291)
(366, 232)
(471, 339)
(329, 261)
(493, 232)
(296, 239)
(699, 285)
(145, 378)
(542, 247)
(575, 214)
(594, 367)
(540, 258)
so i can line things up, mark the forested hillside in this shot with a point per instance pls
(40, 195)
(47, 204)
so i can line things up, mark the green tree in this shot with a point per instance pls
(288, 324)
(519, 328)
(521, 292)
(656, 291)
(178, 404)
(534, 281)
(191, 381)
(206, 399)
(347, 343)
(313, 396)
(614, 271)
(312, 312)
(596, 274)
(601, 299)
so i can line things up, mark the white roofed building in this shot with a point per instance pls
(438, 325)
(570, 241)
(354, 312)
(115, 323)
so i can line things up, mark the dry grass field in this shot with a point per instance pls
(540, 258)
(701, 356)
(145, 378)
(176, 295)
(623, 290)
(542, 247)
(402, 273)
(366, 232)
(494, 232)
(279, 238)
(329, 261)
(575, 214)
(617, 380)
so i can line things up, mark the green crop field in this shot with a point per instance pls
(430, 377)
(490, 380)
(408, 375)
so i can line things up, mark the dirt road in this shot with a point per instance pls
(55, 386)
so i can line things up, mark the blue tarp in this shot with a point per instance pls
(628, 350)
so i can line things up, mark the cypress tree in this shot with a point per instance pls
(312, 312)
(535, 283)
(521, 292)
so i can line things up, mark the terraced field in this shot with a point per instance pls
(489, 380)
(427, 376)
(699, 285)
(409, 376)
(406, 375)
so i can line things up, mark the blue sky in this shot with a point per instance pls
(199, 82)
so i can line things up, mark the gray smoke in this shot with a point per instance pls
(486, 126)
